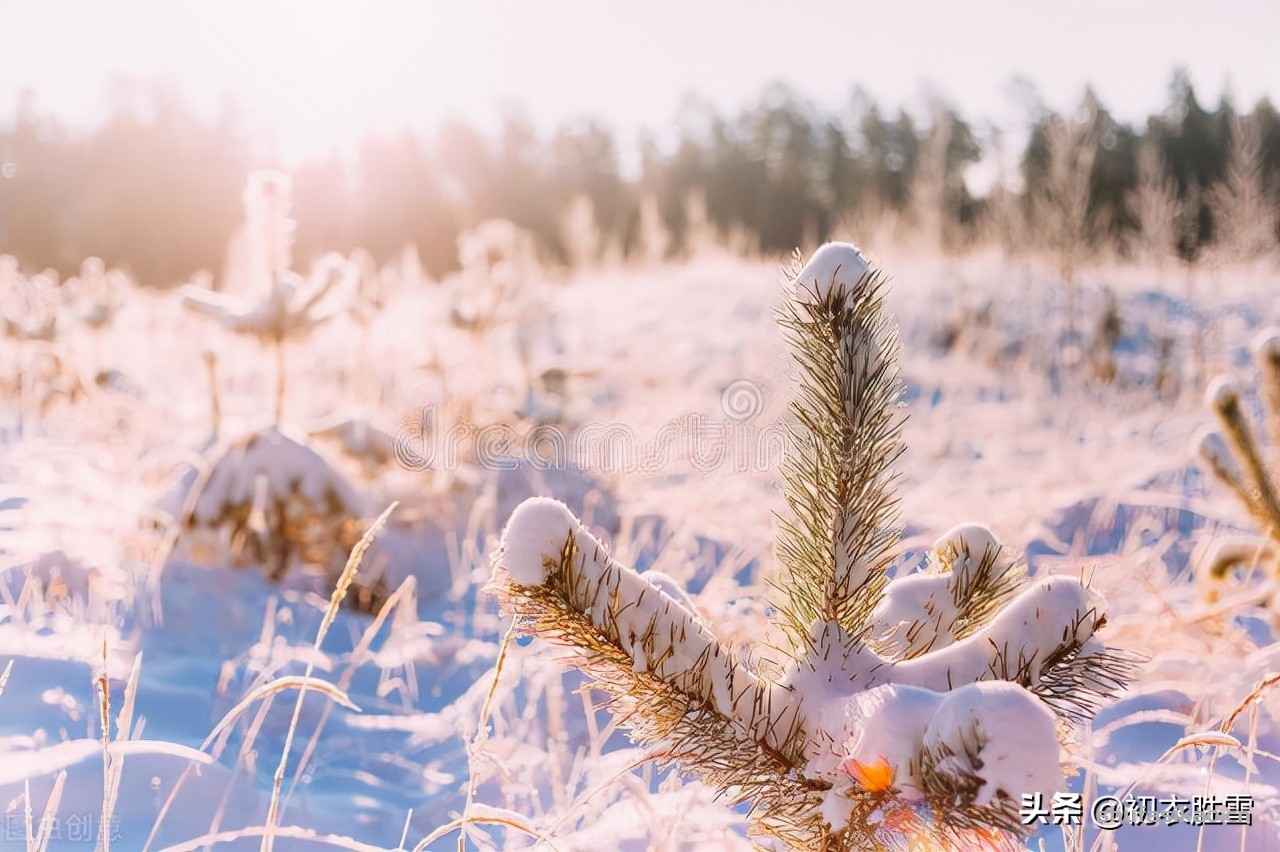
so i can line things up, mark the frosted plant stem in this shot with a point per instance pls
(482, 723)
(26, 810)
(279, 409)
(104, 699)
(339, 592)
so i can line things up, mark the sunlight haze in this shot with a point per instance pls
(317, 75)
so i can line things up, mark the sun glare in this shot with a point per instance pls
(319, 76)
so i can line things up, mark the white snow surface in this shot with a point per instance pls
(1089, 475)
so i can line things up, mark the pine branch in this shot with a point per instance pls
(985, 575)
(1042, 640)
(907, 706)
(970, 577)
(667, 677)
(1266, 351)
(1263, 499)
(837, 543)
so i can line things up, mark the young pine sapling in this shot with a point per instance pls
(922, 707)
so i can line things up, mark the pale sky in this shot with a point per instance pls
(318, 73)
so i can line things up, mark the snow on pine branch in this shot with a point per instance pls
(938, 692)
(545, 545)
(961, 728)
(980, 746)
(970, 575)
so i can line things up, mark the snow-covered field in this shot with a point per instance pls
(658, 394)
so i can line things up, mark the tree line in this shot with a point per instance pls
(155, 189)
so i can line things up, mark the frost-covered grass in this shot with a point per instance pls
(1010, 426)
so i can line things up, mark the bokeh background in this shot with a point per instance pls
(623, 130)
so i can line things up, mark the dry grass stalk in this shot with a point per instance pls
(345, 580)
(403, 597)
(40, 842)
(1256, 693)
(104, 707)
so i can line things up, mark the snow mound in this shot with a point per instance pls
(885, 725)
(968, 538)
(993, 738)
(936, 597)
(285, 465)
